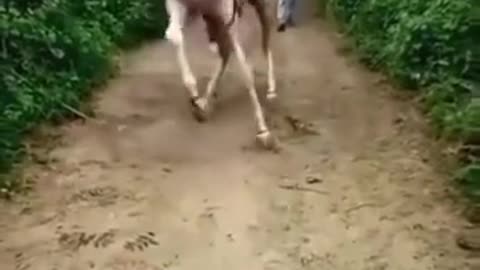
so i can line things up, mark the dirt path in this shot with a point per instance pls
(153, 189)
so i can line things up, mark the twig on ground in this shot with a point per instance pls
(80, 114)
(362, 205)
(75, 111)
(299, 188)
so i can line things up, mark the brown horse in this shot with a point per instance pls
(221, 17)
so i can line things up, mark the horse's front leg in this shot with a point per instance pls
(177, 18)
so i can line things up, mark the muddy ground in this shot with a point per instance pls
(150, 188)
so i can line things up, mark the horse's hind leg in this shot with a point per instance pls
(272, 87)
(264, 18)
(264, 135)
(218, 34)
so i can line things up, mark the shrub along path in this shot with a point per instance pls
(149, 188)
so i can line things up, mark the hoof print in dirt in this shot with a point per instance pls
(21, 262)
(105, 239)
(74, 241)
(127, 264)
(101, 196)
(141, 242)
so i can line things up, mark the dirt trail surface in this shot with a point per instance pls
(150, 188)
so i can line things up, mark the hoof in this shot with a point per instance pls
(199, 115)
(213, 47)
(200, 109)
(266, 140)
(271, 95)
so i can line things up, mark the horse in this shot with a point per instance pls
(221, 17)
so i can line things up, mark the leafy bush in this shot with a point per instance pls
(53, 52)
(430, 45)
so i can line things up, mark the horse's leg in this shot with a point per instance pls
(264, 17)
(177, 18)
(272, 86)
(218, 32)
(264, 135)
(205, 106)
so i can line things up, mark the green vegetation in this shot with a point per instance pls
(432, 46)
(53, 53)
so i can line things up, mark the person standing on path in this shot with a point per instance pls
(285, 11)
